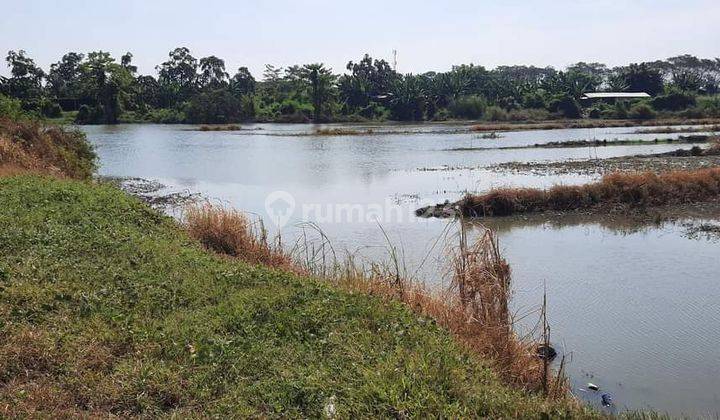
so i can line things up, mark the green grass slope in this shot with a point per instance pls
(107, 307)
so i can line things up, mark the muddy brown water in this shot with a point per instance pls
(635, 307)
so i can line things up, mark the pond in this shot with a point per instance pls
(635, 308)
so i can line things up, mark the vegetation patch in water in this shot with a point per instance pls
(596, 143)
(229, 127)
(709, 231)
(339, 131)
(623, 190)
(670, 130)
(591, 123)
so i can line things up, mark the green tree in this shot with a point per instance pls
(212, 72)
(642, 78)
(370, 81)
(322, 85)
(407, 99)
(242, 83)
(63, 80)
(179, 74)
(103, 82)
(218, 106)
(26, 78)
(126, 63)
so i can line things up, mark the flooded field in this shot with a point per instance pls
(635, 305)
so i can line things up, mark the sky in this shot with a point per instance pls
(428, 35)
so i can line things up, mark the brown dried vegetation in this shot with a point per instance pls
(615, 190)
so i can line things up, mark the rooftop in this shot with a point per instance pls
(612, 95)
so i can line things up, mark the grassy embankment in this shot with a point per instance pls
(109, 308)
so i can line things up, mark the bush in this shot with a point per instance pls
(710, 105)
(641, 111)
(621, 110)
(89, 115)
(566, 105)
(601, 110)
(11, 108)
(535, 99)
(50, 109)
(294, 111)
(33, 146)
(468, 107)
(166, 116)
(495, 113)
(673, 101)
(691, 113)
(530, 114)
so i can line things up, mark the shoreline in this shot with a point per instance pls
(155, 264)
(476, 125)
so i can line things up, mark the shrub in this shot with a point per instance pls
(530, 114)
(673, 101)
(621, 110)
(709, 105)
(32, 146)
(442, 114)
(566, 105)
(11, 107)
(535, 99)
(89, 115)
(374, 111)
(641, 111)
(601, 110)
(166, 116)
(291, 110)
(50, 109)
(495, 113)
(691, 113)
(468, 107)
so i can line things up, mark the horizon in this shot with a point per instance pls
(426, 37)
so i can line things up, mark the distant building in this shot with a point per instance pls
(612, 97)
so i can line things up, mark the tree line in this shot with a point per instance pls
(97, 88)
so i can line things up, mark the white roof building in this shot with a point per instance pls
(615, 95)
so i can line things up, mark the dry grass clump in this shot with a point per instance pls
(29, 146)
(229, 232)
(481, 315)
(643, 189)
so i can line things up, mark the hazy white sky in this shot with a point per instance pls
(429, 35)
